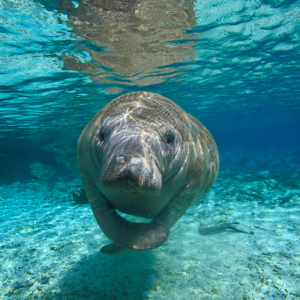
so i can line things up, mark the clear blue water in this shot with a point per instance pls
(236, 69)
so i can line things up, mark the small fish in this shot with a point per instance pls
(220, 228)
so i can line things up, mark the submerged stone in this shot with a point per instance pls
(42, 171)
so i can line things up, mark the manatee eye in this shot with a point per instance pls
(169, 137)
(106, 130)
(101, 134)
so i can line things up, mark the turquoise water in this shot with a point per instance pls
(234, 65)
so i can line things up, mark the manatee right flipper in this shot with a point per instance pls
(135, 236)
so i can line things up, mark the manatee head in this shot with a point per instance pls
(136, 157)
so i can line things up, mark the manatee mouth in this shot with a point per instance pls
(131, 180)
(127, 186)
(134, 192)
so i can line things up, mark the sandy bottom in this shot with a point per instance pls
(49, 246)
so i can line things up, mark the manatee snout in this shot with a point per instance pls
(130, 169)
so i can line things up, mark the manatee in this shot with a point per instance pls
(144, 156)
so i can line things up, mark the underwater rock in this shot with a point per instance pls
(42, 171)
(64, 154)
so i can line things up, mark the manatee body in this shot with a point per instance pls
(144, 156)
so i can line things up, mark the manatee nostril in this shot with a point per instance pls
(135, 159)
(125, 159)
(120, 159)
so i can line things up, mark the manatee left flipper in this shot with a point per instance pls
(136, 236)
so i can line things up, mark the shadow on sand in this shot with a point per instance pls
(124, 276)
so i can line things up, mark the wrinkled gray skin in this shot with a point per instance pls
(144, 156)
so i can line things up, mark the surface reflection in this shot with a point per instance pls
(131, 42)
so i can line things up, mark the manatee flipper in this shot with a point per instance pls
(137, 236)
(175, 209)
